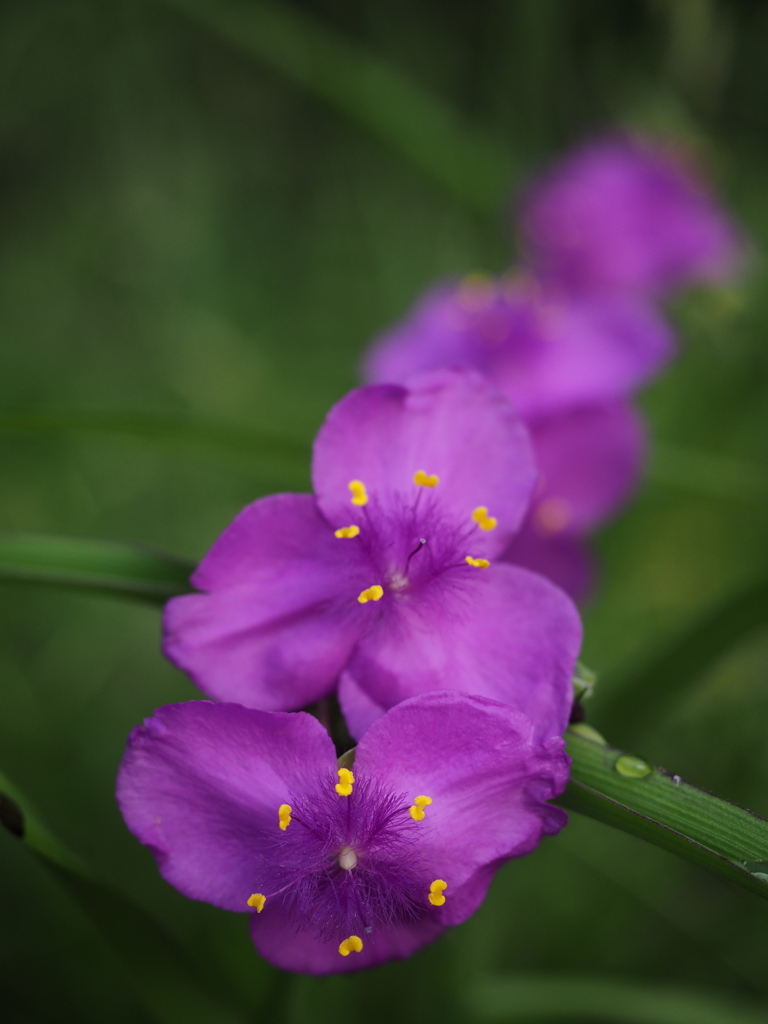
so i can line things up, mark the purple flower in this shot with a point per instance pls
(590, 460)
(568, 364)
(627, 213)
(389, 573)
(340, 868)
(547, 351)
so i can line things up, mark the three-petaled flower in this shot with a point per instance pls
(341, 868)
(569, 363)
(630, 213)
(388, 576)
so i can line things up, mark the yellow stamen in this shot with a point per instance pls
(354, 944)
(552, 515)
(374, 593)
(479, 563)
(483, 520)
(359, 493)
(422, 479)
(436, 897)
(284, 816)
(344, 785)
(476, 292)
(257, 900)
(419, 803)
(347, 531)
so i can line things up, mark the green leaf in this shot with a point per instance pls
(285, 458)
(171, 984)
(126, 570)
(372, 93)
(626, 792)
(631, 704)
(559, 997)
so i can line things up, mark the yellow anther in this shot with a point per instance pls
(359, 493)
(347, 531)
(257, 900)
(483, 520)
(477, 292)
(374, 593)
(422, 479)
(354, 944)
(284, 816)
(419, 803)
(552, 515)
(479, 563)
(436, 897)
(344, 785)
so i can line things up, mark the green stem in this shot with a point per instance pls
(627, 793)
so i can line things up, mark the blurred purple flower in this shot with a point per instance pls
(389, 573)
(547, 351)
(627, 213)
(569, 364)
(590, 460)
(341, 868)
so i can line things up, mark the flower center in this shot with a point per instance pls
(348, 862)
(389, 538)
(347, 858)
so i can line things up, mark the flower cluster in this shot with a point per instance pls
(453, 670)
(570, 338)
(402, 588)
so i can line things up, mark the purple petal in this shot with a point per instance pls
(360, 711)
(628, 213)
(488, 779)
(591, 350)
(546, 351)
(590, 461)
(279, 943)
(281, 615)
(441, 329)
(504, 633)
(451, 423)
(200, 783)
(563, 559)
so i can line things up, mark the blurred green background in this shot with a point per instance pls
(208, 209)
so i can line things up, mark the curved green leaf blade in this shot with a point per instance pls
(630, 705)
(627, 793)
(169, 982)
(126, 570)
(374, 94)
(285, 458)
